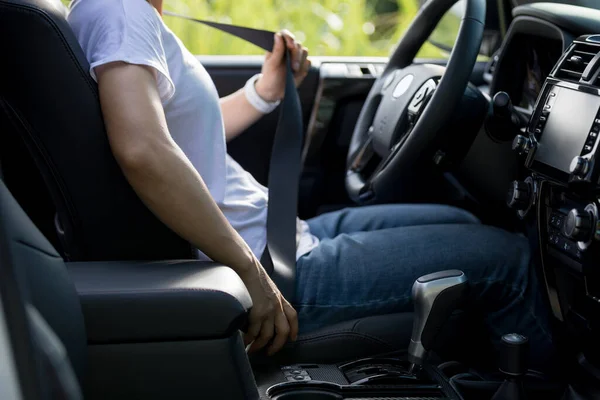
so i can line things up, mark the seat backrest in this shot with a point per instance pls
(42, 279)
(52, 106)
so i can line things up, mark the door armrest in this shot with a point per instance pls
(126, 301)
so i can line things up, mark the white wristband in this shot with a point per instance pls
(254, 98)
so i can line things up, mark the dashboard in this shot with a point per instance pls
(549, 64)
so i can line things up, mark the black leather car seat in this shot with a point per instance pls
(50, 104)
(42, 279)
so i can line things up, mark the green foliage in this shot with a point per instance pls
(326, 27)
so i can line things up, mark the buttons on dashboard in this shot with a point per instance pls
(295, 374)
(556, 220)
(557, 239)
(592, 137)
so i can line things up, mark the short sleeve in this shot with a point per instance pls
(122, 30)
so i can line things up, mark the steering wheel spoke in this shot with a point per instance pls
(400, 123)
(363, 156)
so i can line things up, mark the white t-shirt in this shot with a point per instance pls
(132, 31)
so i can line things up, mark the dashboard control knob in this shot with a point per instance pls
(519, 196)
(579, 166)
(503, 121)
(502, 104)
(521, 144)
(578, 225)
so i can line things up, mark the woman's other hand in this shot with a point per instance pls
(271, 86)
(272, 320)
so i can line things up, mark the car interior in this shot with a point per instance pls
(103, 301)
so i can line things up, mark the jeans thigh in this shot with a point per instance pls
(371, 273)
(370, 218)
(368, 273)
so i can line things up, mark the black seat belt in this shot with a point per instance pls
(284, 167)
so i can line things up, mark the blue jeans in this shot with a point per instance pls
(369, 258)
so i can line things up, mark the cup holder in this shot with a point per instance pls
(308, 395)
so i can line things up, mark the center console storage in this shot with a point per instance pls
(374, 378)
(159, 330)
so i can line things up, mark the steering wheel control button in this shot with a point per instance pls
(420, 97)
(403, 86)
(579, 167)
(519, 196)
(578, 225)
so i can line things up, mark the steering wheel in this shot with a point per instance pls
(404, 114)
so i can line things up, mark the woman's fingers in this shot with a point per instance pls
(278, 48)
(267, 330)
(292, 317)
(253, 331)
(282, 332)
(304, 65)
(295, 49)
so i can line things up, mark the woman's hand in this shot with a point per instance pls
(271, 317)
(271, 86)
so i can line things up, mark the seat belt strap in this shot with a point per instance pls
(284, 167)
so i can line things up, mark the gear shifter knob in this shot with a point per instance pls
(435, 297)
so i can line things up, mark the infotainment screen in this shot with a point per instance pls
(569, 123)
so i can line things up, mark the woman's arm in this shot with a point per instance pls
(168, 184)
(238, 113)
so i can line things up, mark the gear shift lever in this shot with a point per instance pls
(435, 297)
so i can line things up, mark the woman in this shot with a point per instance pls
(168, 132)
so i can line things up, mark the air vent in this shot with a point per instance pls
(577, 61)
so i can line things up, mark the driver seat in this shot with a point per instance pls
(50, 117)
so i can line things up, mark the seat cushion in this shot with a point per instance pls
(345, 341)
(159, 301)
(376, 335)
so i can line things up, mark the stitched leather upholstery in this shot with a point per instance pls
(43, 278)
(170, 300)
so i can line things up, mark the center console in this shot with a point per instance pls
(412, 375)
(399, 376)
(561, 192)
(377, 378)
